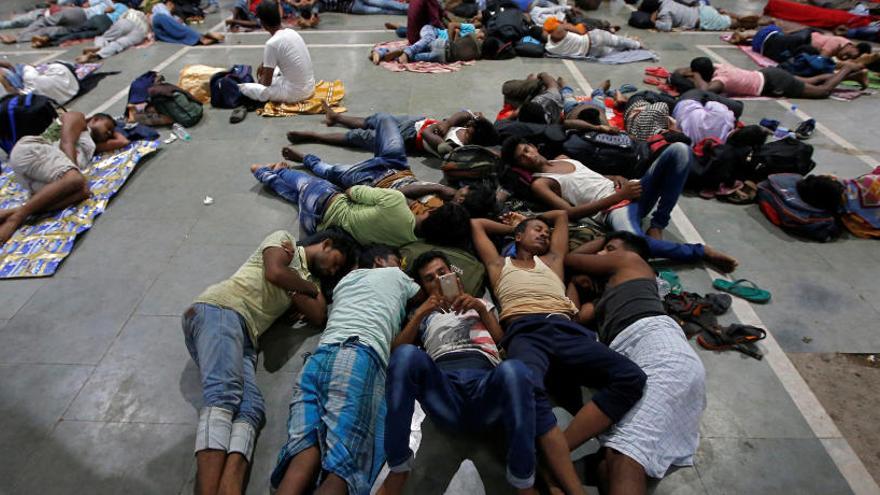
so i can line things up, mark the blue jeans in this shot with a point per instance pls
(469, 399)
(311, 194)
(378, 7)
(366, 138)
(661, 186)
(22, 20)
(569, 102)
(428, 48)
(219, 343)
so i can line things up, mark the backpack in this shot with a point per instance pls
(787, 155)
(24, 115)
(529, 47)
(780, 203)
(470, 162)
(469, 269)
(609, 154)
(507, 24)
(224, 86)
(180, 107)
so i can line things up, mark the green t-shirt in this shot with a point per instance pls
(372, 216)
(249, 294)
(369, 304)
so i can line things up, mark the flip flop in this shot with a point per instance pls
(627, 88)
(719, 303)
(743, 288)
(672, 279)
(654, 81)
(744, 195)
(735, 337)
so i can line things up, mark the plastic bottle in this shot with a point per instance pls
(782, 132)
(663, 287)
(180, 132)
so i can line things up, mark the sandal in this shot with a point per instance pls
(744, 195)
(657, 71)
(738, 337)
(743, 288)
(654, 81)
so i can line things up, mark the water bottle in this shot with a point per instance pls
(782, 132)
(180, 132)
(663, 287)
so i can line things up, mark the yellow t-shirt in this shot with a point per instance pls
(249, 294)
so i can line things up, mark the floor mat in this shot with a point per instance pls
(331, 92)
(37, 249)
(418, 67)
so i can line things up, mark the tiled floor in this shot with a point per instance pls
(100, 396)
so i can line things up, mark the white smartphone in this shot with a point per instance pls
(449, 286)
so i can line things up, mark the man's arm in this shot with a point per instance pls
(481, 228)
(72, 125)
(542, 190)
(117, 141)
(593, 264)
(410, 332)
(313, 308)
(715, 86)
(276, 270)
(590, 247)
(467, 302)
(558, 239)
(418, 190)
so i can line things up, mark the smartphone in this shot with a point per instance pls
(449, 286)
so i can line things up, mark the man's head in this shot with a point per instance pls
(704, 67)
(518, 152)
(479, 200)
(626, 241)
(649, 6)
(533, 236)
(851, 51)
(329, 252)
(482, 132)
(270, 17)
(101, 127)
(427, 269)
(449, 225)
(532, 113)
(379, 256)
(821, 191)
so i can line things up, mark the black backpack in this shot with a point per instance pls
(609, 154)
(507, 24)
(24, 115)
(786, 155)
(529, 49)
(224, 87)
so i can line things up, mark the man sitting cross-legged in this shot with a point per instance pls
(567, 184)
(337, 412)
(286, 74)
(50, 165)
(459, 379)
(371, 215)
(222, 330)
(419, 133)
(663, 428)
(539, 331)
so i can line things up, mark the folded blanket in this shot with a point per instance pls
(38, 248)
(331, 92)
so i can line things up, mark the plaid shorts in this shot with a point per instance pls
(338, 404)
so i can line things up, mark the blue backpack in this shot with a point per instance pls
(808, 65)
(782, 205)
(224, 87)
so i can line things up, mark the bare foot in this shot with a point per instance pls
(330, 116)
(8, 228)
(606, 85)
(219, 37)
(861, 77)
(93, 49)
(39, 41)
(391, 55)
(403, 58)
(560, 81)
(88, 57)
(279, 166)
(720, 260)
(255, 167)
(531, 77)
(291, 154)
(375, 57)
(4, 214)
(297, 137)
(655, 233)
(7, 39)
(391, 26)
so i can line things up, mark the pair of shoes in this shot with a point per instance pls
(805, 129)
(238, 114)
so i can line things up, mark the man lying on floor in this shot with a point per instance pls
(663, 429)
(222, 328)
(371, 215)
(769, 81)
(422, 197)
(774, 44)
(539, 331)
(420, 134)
(286, 74)
(667, 15)
(337, 411)
(567, 40)
(458, 377)
(568, 185)
(51, 165)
